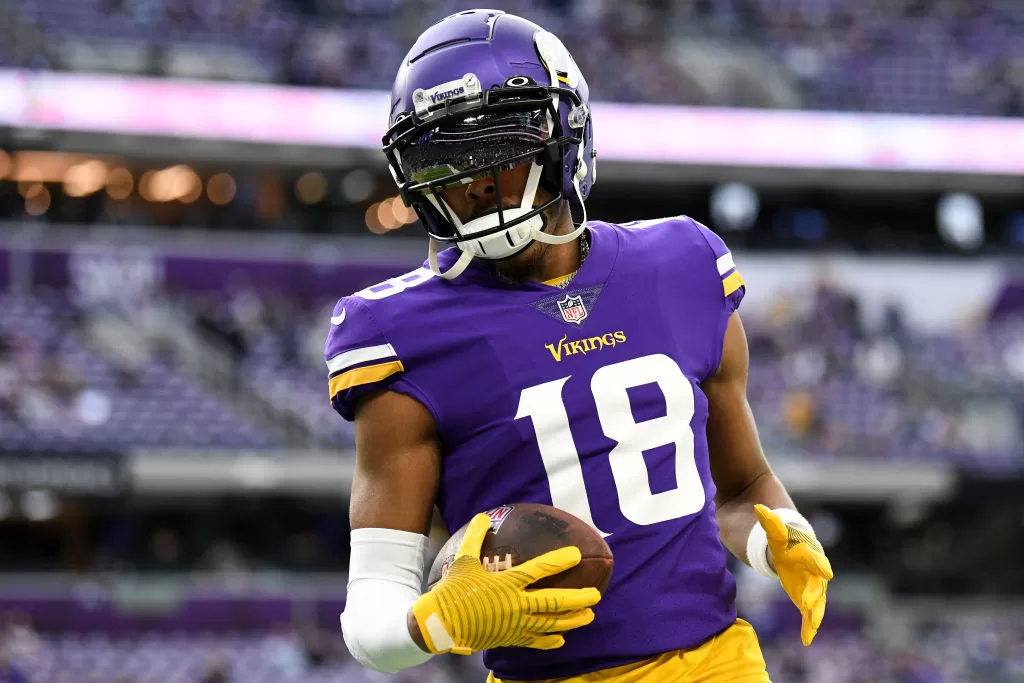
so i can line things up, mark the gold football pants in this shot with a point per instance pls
(732, 656)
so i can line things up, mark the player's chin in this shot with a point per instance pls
(534, 250)
(519, 265)
(531, 252)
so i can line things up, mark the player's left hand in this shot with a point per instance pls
(802, 567)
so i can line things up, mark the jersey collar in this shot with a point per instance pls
(604, 249)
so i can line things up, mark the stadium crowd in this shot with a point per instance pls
(991, 651)
(60, 391)
(914, 56)
(832, 385)
(821, 381)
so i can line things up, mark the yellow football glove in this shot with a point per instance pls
(473, 609)
(802, 567)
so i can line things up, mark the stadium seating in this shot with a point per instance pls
(297, 386)
(170, 658)
(839, 392)
(832, 389)
(818, 383)
(893, 395)
(59, 394)
(943, 652)
(910, 57)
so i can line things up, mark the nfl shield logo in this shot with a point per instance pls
(573, 310)
(498, 515)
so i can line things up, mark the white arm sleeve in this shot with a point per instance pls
(757, 541)
(384, 580)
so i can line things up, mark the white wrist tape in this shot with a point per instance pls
(757, 541)
(384, 580)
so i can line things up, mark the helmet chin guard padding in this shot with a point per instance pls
(479, 93)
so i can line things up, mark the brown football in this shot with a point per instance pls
(522, 531)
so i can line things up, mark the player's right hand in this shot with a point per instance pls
(473, 609)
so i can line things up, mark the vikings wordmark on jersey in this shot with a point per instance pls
(588, 399)
(563, 348)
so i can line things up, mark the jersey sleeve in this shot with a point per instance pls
(725, 285)
(360, 358)
(733, 286)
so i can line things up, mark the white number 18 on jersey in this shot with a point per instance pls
(543, 404)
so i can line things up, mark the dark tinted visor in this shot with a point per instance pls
(477, 142)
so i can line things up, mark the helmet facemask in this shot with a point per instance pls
(473, 136)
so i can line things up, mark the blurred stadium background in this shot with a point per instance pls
(188, 186)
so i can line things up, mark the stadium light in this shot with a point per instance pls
(311, 187)
(357, 186)
(37, 201)
(85, 178)
(34, 190)
(194, 194)
(176, 182)
(960, 220)
(221, 189)
(38, 505)
(145, 183)
(373, 223)
(190, 185)
(119, 183)
(161, 186)
(28, 178)
(403, 214)
(270, 199)
(734, 206)
(386, 215)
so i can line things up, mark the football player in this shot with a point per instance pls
(542, 357)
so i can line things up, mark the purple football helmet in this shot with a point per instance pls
(480, 92)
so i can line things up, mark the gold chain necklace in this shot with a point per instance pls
(584, 250)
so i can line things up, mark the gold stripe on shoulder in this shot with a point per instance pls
(733, 282)
(364, 375)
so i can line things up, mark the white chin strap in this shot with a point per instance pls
(505, 243)
(456, 269)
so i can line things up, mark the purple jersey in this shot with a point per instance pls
(588, 399)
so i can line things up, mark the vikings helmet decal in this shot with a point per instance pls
(481, 92)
